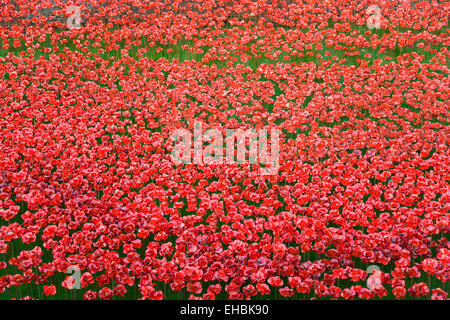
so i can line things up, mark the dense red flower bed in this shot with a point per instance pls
(86, 177)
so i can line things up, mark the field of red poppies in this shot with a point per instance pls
(92, 205)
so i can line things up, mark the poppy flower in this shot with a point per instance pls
(116, 128)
